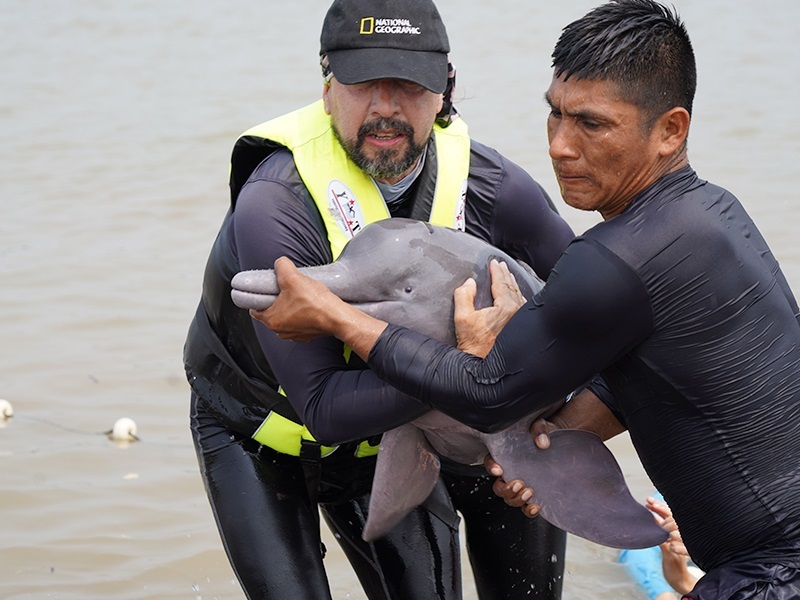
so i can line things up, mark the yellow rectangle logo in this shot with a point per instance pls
(367, 26)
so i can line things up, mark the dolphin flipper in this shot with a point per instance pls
(405, 474)
(579, 487)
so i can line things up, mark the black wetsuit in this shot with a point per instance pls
(259, 497)
(682, 307)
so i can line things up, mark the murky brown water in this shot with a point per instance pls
(117, 121)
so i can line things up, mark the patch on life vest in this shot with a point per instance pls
(458, 221)
(344, 208)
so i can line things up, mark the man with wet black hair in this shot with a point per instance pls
(652, 62)
(675, 300)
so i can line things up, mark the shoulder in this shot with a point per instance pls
(278, 167)
(490, 171)
(486, 162)
(504, 203)
(276, 185)
(275, 215)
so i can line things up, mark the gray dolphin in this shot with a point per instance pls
(405, 271)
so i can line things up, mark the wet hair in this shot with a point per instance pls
(641, 46)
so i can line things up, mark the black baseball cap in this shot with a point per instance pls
(381, 39)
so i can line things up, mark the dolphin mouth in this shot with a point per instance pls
(252, 300)
(374, 308)
(260, 301)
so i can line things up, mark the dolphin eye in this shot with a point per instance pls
(409, 289)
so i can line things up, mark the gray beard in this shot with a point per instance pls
(387, 164)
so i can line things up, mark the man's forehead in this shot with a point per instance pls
(584, 95)
(573, 89)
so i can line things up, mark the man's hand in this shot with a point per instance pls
(674, 555)
(540, 432)
(302, 310)
(514, 493)
(476, 330)
(306, 309)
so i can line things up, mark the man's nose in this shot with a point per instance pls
(560, 137)
(384, 98)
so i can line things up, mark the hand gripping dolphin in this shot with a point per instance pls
(578, 483)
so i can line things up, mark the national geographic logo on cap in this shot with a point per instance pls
(371, 25)
(365, 40)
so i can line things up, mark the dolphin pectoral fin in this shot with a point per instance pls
(580, 488)
(405, 474)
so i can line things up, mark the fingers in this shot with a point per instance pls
(285, 271)
(540, 432)
(464, 299)
(492, 467)
(298, 313)
(678, 548)
(514, 493)
(504, 286)
(658, 507)
(531, 510)
(663, 515)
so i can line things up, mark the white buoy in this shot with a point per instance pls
(6, 410)
(124, 430)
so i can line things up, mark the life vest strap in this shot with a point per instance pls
(287, 437)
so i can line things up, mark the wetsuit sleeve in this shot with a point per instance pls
(337, 401)
(527, 224)
(509, 209)
(593, 309)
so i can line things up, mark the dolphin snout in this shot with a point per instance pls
(261, 281)
(254, 289)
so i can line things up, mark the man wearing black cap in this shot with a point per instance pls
(384, 141)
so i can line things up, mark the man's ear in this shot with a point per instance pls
(673, 127)
(326, 89)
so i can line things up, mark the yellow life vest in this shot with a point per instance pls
(348, 201)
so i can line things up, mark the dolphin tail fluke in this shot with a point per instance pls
(406, 472)
(579, 487)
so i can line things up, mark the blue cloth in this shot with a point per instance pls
(644, 566)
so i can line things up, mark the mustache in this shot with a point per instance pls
(382, 124)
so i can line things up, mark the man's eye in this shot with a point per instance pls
(411, 88)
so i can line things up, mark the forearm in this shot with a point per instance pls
(356, 329)
(354, 405)
(338, 400)
(486, 394)
(586, 411)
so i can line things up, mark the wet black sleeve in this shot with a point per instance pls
(593, 309)
(527, 224)
(337, 401)
(507, 208)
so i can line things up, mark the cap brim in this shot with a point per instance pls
(428, 69)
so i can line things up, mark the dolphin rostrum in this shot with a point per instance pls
(578, 483)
